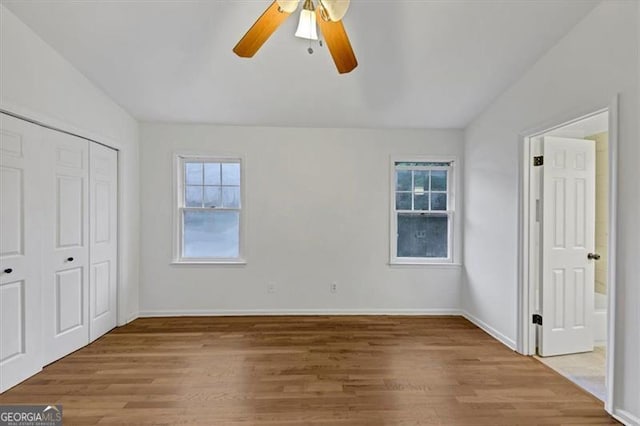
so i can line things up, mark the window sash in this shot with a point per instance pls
(210, 258)
(424, 259)
(426, 192)
(183, 184)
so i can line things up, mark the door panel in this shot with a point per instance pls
(11, 300)
(102, 288)
(66, 246)
(69, 302)
(568, 235)
(20, 258)
(103, 239)
(12, 182)
(70, 199)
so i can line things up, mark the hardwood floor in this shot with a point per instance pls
(304, 370)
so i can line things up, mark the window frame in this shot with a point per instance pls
(179, 207)
(450, 212)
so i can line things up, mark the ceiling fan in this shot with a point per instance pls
(327, 14)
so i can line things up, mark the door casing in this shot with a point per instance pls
(526, 330)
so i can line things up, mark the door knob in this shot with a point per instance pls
(8, 271)
(69, 259)
(594, 256)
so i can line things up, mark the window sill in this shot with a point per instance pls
(238, 262)
(445, 265)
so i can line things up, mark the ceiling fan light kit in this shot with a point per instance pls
(307, 26)
(327, 14)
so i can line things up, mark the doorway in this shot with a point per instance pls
(567, 246)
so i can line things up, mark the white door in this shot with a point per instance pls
(103, 249)
(65, 284)
(20, 209)
(568, 237)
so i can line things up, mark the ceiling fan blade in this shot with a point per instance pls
(337, 40)
(260, 32)
(336, 9)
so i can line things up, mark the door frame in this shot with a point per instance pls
(526, 330)
(51, 123)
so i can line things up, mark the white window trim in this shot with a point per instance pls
(178, 205)
(452, 179)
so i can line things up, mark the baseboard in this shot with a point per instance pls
(511, 344)
(626, 417)
(132, 317)
(280, 312)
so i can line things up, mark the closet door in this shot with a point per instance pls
(103, 221)
(66, 245)
(20, 210)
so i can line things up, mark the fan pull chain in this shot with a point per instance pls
(310, 49)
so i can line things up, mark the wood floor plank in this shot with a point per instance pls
(368, 370)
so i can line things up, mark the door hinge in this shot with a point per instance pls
(537, 319)
(538, 160)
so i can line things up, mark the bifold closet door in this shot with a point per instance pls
(20, 240)
(103, 249)
(65, 286)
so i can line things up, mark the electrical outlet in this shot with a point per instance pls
(333, 287)
(271, 288)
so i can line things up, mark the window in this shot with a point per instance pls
(209, 210)
(422, 212)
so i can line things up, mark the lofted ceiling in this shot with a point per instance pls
(422, 64)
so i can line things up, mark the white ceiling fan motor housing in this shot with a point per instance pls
(335, 9)
(288, 6)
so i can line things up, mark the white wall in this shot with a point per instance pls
(596, 60)
(317, 204)
(38, 83)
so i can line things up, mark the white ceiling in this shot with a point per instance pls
(423, 64)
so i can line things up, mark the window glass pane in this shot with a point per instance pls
(212, 196)
(231, 197)
(403, 201)
(421, 201)
(422, 235)
(439, 201)
(437, 236)
(210, 233)
(193, 196)
(403, 180)
(420, 181)
(212, 174)
(193, 173)
(412, 236)
(438, 180)
(231, 173)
